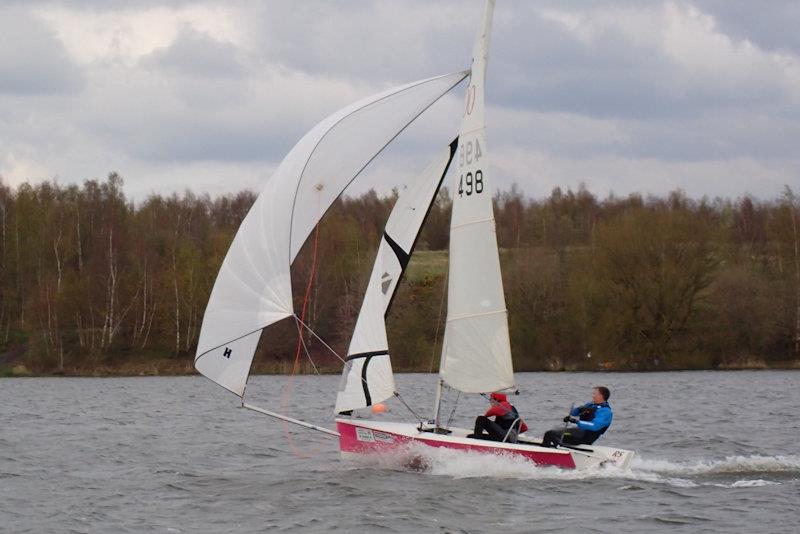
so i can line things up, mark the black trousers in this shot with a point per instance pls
(570, 436)
(496, 432)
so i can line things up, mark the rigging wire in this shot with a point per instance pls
(396, 394)
(305, 347)
(300, 322)
(453, 413)
(409, 408)
(311, 331)
(439, 320)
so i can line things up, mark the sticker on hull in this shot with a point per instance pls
(365, 434)
(383, 437)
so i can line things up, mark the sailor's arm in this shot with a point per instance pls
(495, 410)
(575, 412)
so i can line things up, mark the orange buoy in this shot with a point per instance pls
(379, 408)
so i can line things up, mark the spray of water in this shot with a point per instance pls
(729, 472)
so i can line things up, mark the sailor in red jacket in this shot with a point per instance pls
(504, 415)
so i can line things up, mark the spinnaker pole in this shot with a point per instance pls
(291, 420)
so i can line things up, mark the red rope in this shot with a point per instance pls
(296, 364)
(310, 283)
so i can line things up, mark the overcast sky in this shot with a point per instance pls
(622, 95)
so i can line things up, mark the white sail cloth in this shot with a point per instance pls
(367, 377)
(476, 352)
(253, 287)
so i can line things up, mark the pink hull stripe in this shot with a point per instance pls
(382, 441)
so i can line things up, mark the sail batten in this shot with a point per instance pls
(253, 288)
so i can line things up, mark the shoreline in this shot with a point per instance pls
(21, 371)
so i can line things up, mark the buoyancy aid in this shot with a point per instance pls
(505, 413)
(508, 418)
(587, 414)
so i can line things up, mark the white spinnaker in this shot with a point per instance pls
(253, 287)
(476, 353)
(367, 377)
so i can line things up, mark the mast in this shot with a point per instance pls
(437, 410)
(476, 352)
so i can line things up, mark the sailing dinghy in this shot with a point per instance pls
(253, 288)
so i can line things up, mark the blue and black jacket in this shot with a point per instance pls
(594, 418)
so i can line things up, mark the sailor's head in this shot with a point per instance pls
(499, 397)
(600, 394)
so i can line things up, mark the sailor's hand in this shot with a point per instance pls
(567, 418)
(571, 419)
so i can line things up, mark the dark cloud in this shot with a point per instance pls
(32, 60)
(548, 67)
(772, 25)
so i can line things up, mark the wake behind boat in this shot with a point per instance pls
(253, 289)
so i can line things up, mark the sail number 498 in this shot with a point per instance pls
(470, 183)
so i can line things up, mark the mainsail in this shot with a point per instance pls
(367, 377)
(253, 287)
(476, 353)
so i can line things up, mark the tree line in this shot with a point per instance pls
(90, 279)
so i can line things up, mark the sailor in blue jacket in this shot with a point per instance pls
(592, 420)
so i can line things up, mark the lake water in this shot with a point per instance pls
(717, 452)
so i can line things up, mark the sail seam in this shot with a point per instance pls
(471, 315)
(457, 226)
(462, 134)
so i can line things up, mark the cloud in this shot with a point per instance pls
(620, 94)
(15, 170)
(32, 60)
(196, 54)
(182, 119)
(638, 62)
(769, 25)
(126, 34)
(538, 173)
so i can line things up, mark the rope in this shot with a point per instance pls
(305, 348)
(310, 283)
(301, 345)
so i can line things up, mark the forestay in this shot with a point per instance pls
(367, 377)
(476, 354)
(253, 287)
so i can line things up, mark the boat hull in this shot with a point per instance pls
(364, 437)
